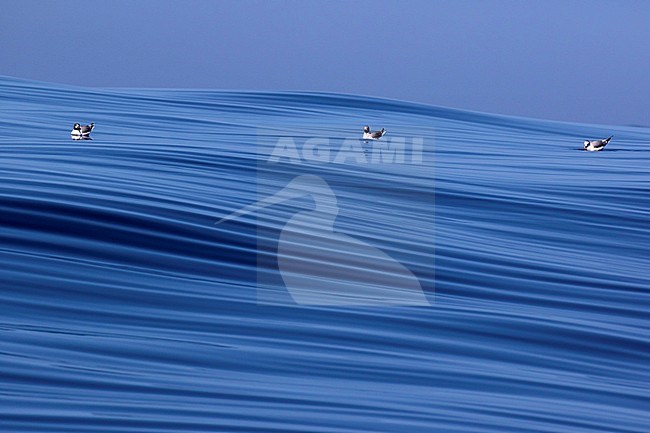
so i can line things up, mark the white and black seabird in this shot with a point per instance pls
(81, 132)
(368, 135)
(596, 145)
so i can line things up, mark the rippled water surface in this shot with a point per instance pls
(126, 309)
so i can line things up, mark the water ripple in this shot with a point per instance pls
(125, 308)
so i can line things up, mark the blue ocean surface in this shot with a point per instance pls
(125, 308)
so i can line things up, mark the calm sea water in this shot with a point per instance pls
(124, 308)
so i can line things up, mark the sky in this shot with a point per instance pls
(570, 60)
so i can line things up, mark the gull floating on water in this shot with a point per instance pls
(367, 135)
(596, 145)
(81, 132)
